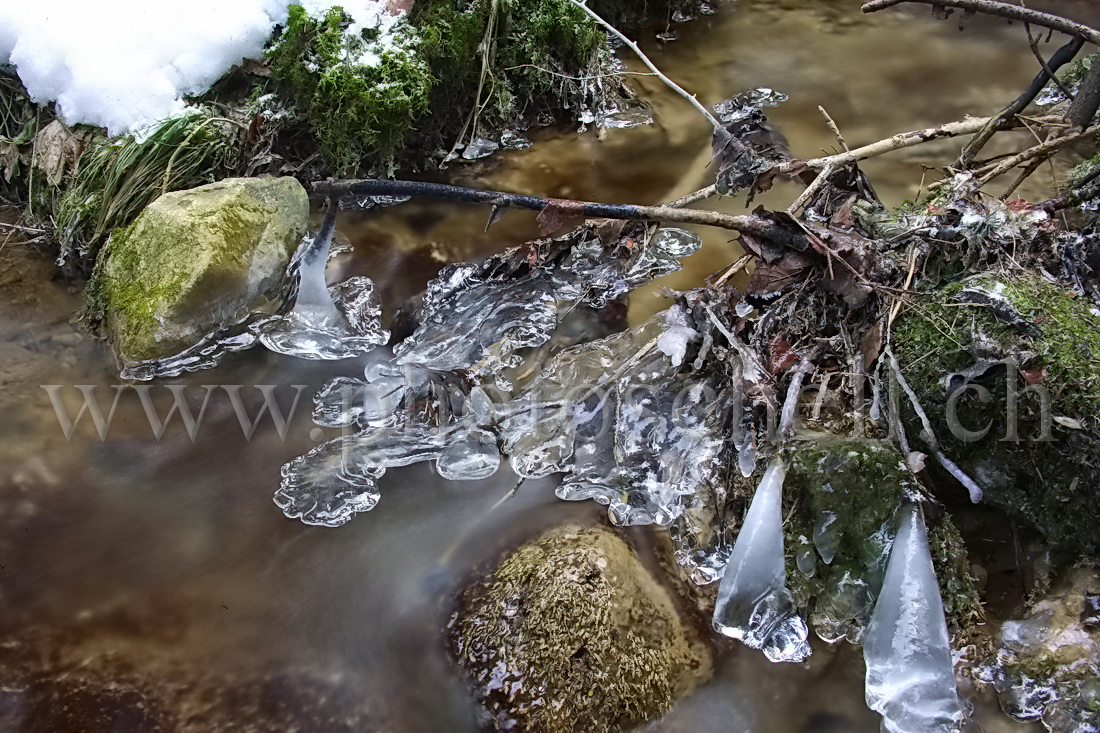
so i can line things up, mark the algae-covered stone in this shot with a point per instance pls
(572, 633)
(1008, 371)
(194, 261)
(841, 500)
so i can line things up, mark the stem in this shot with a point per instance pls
(652, 67)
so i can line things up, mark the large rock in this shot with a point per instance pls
(571, 632)
(196, 260)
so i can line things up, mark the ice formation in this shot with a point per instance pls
(127, 64)
(428, 400)
(754, 604)
(625, 425)
(326, 323)
(910, 677)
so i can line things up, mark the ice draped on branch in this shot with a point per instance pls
(326, 323)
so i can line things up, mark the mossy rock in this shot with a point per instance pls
(859, 484)
(1047, 663)
(1020, 331)
(572, 633)
(194, 261)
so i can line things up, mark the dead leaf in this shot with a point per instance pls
(57, 148)
(871, 345)
(780, 354)
(559, 213)
(773, 277)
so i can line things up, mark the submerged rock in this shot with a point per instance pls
(195, 261)
(571, 632)
(1047, 665)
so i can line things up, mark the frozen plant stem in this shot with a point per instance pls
(652, 67)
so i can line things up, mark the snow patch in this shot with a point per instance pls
(126, 65)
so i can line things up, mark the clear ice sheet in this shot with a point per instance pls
(326, 323)
(628, 429)
(425, 401)
(910, 677)
(754, 604)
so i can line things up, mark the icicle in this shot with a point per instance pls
(824, 540)
(754, 604)
(327, 325)
(910, 679)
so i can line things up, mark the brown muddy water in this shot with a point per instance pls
(152, 584)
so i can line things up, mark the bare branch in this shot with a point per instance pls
(1003, 10)
(652, 67)
(378, 187)
(1061, 57)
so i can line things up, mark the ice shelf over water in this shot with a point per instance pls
(754, 604)
(910, 678)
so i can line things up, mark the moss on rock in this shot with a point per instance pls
(855, 486)
(194, 261)
(572, 633)
(1043, 467)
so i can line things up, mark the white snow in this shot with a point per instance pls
(126, 64)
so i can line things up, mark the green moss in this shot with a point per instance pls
(1047, 483)
(194, 261)
(862, 483)
(359, 102)
(572, 633)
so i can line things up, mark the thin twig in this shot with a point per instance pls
(615, 74)
(833, 126)
(652, 67)
(806, 196)
(1045, 150)
(1003, 10)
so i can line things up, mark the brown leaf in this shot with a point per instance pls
(57, 148)
(1034, 376)
(871, 345)
(853, 263)
(780, 354)
(559, 213)
(773, 277)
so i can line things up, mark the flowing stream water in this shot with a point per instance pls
(148, 582)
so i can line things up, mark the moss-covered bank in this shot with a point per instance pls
(1021, 356)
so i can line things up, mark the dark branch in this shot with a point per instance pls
(1061, 57)
(377, 187)
(1003, 10)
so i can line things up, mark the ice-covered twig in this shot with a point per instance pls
(929, 435)
(899, 141)
(1003, 10)
(652, 67)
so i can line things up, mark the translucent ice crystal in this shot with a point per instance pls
(325, 323)
(910, 678)
(754, 604)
